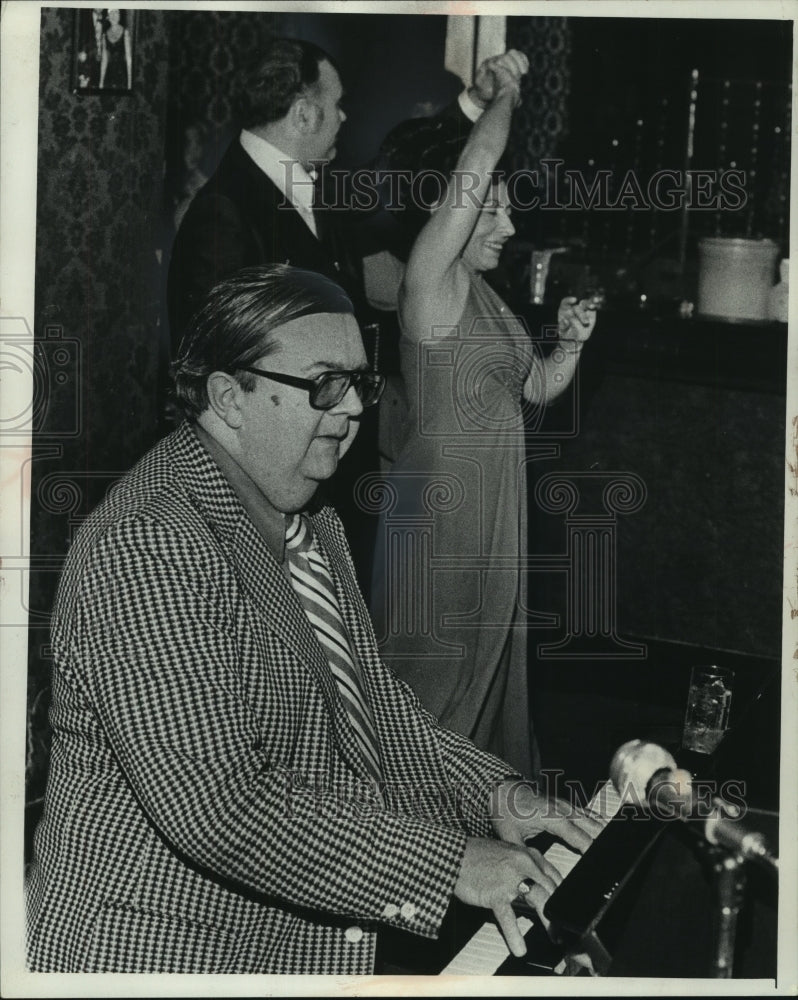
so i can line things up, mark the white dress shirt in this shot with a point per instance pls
(471, 110)
(288, 175)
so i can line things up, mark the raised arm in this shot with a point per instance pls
(432, 264)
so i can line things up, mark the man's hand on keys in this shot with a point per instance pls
(519, 811)
(493, 874)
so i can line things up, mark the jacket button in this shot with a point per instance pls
(353, 934)
(408, 911)
(390, 911)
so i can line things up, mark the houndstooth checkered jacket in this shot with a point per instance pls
(206, 809)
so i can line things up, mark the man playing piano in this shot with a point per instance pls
(237, 782)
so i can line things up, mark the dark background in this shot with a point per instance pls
(699, 566)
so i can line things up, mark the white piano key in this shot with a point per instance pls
(485, 952)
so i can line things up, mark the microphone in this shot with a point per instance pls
(647, 775)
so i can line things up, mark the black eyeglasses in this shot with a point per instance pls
(328, 389)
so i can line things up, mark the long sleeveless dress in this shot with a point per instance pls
(448, 592)
(116, 70)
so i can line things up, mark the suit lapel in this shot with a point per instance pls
(280, 610)
(277, 228)
(280, 228)
(261, 578)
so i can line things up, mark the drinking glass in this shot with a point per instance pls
(708, 704)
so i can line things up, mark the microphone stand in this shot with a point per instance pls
(728, 863)
(729, 878)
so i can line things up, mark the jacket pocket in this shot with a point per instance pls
(127, 939)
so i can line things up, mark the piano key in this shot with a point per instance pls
(486, 949)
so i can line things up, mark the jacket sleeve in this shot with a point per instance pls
(472, 773)
(152, 640)
(456, 117)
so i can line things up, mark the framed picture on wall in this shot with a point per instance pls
(103, 51)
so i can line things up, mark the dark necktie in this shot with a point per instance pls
(313, 584)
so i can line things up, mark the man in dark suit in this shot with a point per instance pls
(257, 208)
(238, 784)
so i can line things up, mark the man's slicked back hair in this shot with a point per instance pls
(286, 69)
(233, 326)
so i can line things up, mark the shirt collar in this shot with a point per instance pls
(286, 173)
(269, 521)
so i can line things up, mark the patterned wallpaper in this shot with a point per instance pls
(100, 173)
(207, 50)
(99, 188)
(541, 120)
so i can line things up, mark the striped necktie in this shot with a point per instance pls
(313, 584)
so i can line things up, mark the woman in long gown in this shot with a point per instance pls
(116, 57)
(470, 374)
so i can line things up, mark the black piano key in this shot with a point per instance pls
(542, 841)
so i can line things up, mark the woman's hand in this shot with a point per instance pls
(576, 319)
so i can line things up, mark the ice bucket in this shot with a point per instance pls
(735, 277)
